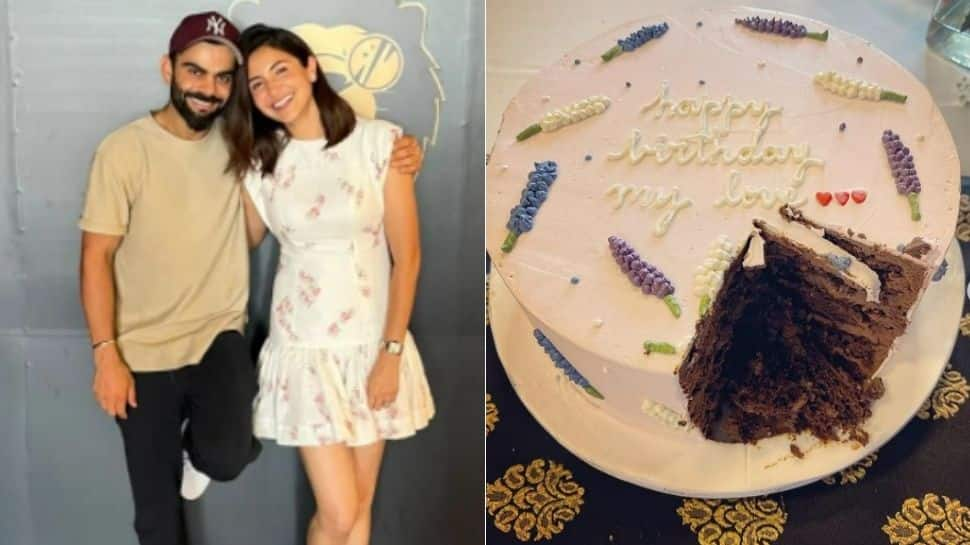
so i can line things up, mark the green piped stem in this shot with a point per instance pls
(914, 212)
(593, 392)
(612, 53)
(705, 305)
(892, 96)
(530, 131)
(820, 36)
(673, 305)
(509, 242)
(650, 347)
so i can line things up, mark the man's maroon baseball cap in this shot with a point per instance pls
(205, 26)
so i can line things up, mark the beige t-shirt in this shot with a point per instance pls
(182, 269)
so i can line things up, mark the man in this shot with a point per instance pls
(165, 281)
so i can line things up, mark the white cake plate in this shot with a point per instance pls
(678, 460)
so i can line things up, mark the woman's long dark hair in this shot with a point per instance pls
(254, 138)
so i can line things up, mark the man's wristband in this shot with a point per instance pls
(99, 344)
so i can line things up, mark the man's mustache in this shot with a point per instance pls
(204, 98)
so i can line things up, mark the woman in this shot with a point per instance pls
(339, 373)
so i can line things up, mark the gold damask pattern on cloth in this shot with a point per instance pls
(963, 219)
(852, 474)
(536, 501)
(491, 414)
(950, 393)
(926, 522)
(750, 521)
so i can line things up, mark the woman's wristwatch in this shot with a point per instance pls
(393, 347)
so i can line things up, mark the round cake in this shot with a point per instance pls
(669, 137)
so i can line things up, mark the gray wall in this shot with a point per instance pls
(70, 72)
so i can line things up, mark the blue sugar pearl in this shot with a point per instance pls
(576, 62)
(574, 280)
(589, 157)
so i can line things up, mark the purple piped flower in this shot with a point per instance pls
(522, 216)
(643, 275)
(781, 27)
(903, 169)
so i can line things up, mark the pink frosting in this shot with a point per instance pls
(572, 226)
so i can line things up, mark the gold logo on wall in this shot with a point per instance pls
(369, 63)
(376, 62)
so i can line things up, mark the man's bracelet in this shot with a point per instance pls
(99, 344)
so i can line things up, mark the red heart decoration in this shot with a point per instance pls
(823, 198)
(842, 197)
(859, 196)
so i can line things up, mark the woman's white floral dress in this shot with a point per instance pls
(330, 296)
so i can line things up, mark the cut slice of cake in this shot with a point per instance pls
(793, 340)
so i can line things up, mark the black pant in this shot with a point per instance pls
(215, 397)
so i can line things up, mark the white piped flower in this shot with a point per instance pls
(661, 412)
(847, 87)
(574, 113)
(709, 276)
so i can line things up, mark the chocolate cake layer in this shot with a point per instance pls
(792, 345)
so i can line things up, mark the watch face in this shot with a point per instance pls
(393, 347)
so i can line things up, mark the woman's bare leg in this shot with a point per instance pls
(367, 464)
(332, 473)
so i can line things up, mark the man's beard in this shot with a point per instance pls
(195, 121)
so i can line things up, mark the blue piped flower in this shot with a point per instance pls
(562, 363)
(635, 40)
(536, 191)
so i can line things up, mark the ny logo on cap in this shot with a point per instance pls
(216, 25)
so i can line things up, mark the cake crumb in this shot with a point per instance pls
(796, 451)
(761, 64)
(598, 322)
(546, 98)
(920, 138)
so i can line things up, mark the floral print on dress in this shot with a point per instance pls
(309, 290)
(363, 283)
(330, 297)
(376, 233)
(354, 193)
(314, 211)
(283, 312)
(379, 164)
